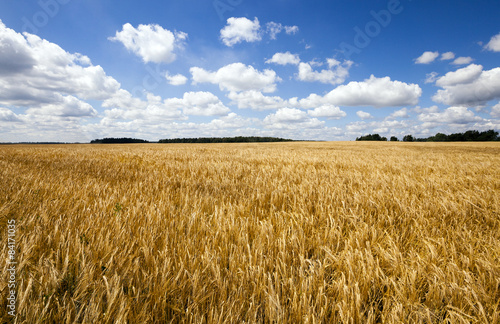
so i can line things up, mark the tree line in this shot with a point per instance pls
(237, 139)
(468, 136)
(112, 140)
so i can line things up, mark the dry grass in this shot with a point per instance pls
(254, 233)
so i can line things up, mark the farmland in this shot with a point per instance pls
(343, 232)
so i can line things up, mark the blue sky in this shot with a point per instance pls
(74, 70)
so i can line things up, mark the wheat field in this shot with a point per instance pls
(323, 232)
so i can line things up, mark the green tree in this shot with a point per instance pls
(408, 138)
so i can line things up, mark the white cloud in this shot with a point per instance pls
(334, 63)
(230, 121)
(315, 62)
(284, 59)
(427, 57)
(384, 128)
(401, 113)
(51, 85)
(431, 77)
(177, 79)
(447, 56)
(124, 106)
(495, 111)
(363, 115)
(291, 29)
(44, 74)
(8, 115)
(274, 29)
(336, 74)
(372, 92)
(201, 103)
(151, 42)
(460, 76)
(494, 43)
(462, 60)
(124, 100)
(256, 100)
(291, 118)
(224, 126)
(37, 128)
(377, 92)
(328, 111)
(241, 29)
(67, 106)
(431, 109)
(466, 88)
(452, 115)
(237, 77)
(290, 115)
(357, 127)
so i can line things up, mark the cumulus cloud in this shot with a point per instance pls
(494, 44)
(8, 115)
(124, 100)
(401, 113)
(452, 115)
(336, 73)
(284, 59)
(201, 103)
(495, 111)
(386, 127)
(470, 86)
(150, 42)
(447, 56)
(431, 109)
(462, 60)
(231, 121)
(256, 100)
(177, 79)
(464, 75)
(66, 106)
(241, 29)
(363, 115)
(53, 86)
(124, 106)
(44, 76)
(237, 77)
(291, 118)
(16, 56)
(290, 115)
(427, 57)
(328, 111)
(377, 92)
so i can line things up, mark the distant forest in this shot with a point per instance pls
(122, 140)
(238, 139)
(468, 136)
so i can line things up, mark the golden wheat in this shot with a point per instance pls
(254, 233)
